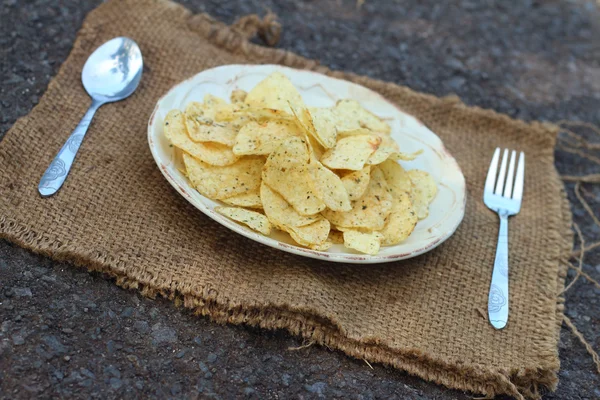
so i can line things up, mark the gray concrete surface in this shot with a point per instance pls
(65, 333)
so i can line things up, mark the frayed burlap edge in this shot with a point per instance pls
(518, 383)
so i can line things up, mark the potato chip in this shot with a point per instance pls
(264, 114)
(287, 172)
(356, 182)
(238, 96)
(255, 138)
(314, 234)
(280, 212)
(354, 132)
(351, 152)
(370, 211)
(367, 243)
(335, 236)
(249, 199)
(211, 153)
(223, 182)
(401, 221)
(350, 115)
(215, 132)
(322, 247)
(276, 92)
(387, 147)
(405, 156)
(323, 122)
(329, 187)
(423, 192)
(252, 219)
(396, 177)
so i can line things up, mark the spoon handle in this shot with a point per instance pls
(59, 168)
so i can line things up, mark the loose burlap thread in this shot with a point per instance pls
(117, 214)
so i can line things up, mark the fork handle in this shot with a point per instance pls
(498, 297)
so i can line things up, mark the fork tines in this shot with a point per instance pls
(500, 183)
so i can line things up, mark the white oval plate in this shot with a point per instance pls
(445, 214)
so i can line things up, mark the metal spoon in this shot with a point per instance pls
(110, 74)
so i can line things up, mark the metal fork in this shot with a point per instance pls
(500, 196)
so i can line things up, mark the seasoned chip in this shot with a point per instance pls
(287, 172)
(252, 219)
(405, 156)
(423, 192)
(211, 153)
(276, 92)
(336, 237)
(329, 187)
(387, 147)
(265, 114)
(280, 212)
(401, 221)
(214, 132)
(350, 115)
(323, 122)
(356, 182)
(322, 247)
(314, 234)
(255, 138)
(367, 243)
(223, 182)
(396, 177)
(249, 199)
(354, 132)
(238, 96)
(351, 152)
(370, 211)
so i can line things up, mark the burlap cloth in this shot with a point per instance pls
(117, 214)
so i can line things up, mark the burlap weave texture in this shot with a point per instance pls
(117, 214)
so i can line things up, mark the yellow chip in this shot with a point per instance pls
(354, 132)
(405, 156)
(202, 125)
(280, 212)
(223, 182)
(336, 237)
(351, 152)
(287, 172)
(238, 96)
(211, 153)
(370, 212)
(249, 199)
(311, 235)
(387, 147)
(323, 122)
(276, 92)
(423, 193)
(255, 138)
(350, 115)
(396, 177)
(356, 183)
(323, 246)
(252, 219)
(367, 243)
(215, 132)
(264, 114)
(329, 187)
(401, 221)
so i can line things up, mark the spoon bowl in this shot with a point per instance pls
(113, 71)
(110, 74)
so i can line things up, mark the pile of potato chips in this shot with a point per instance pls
(323, 175)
